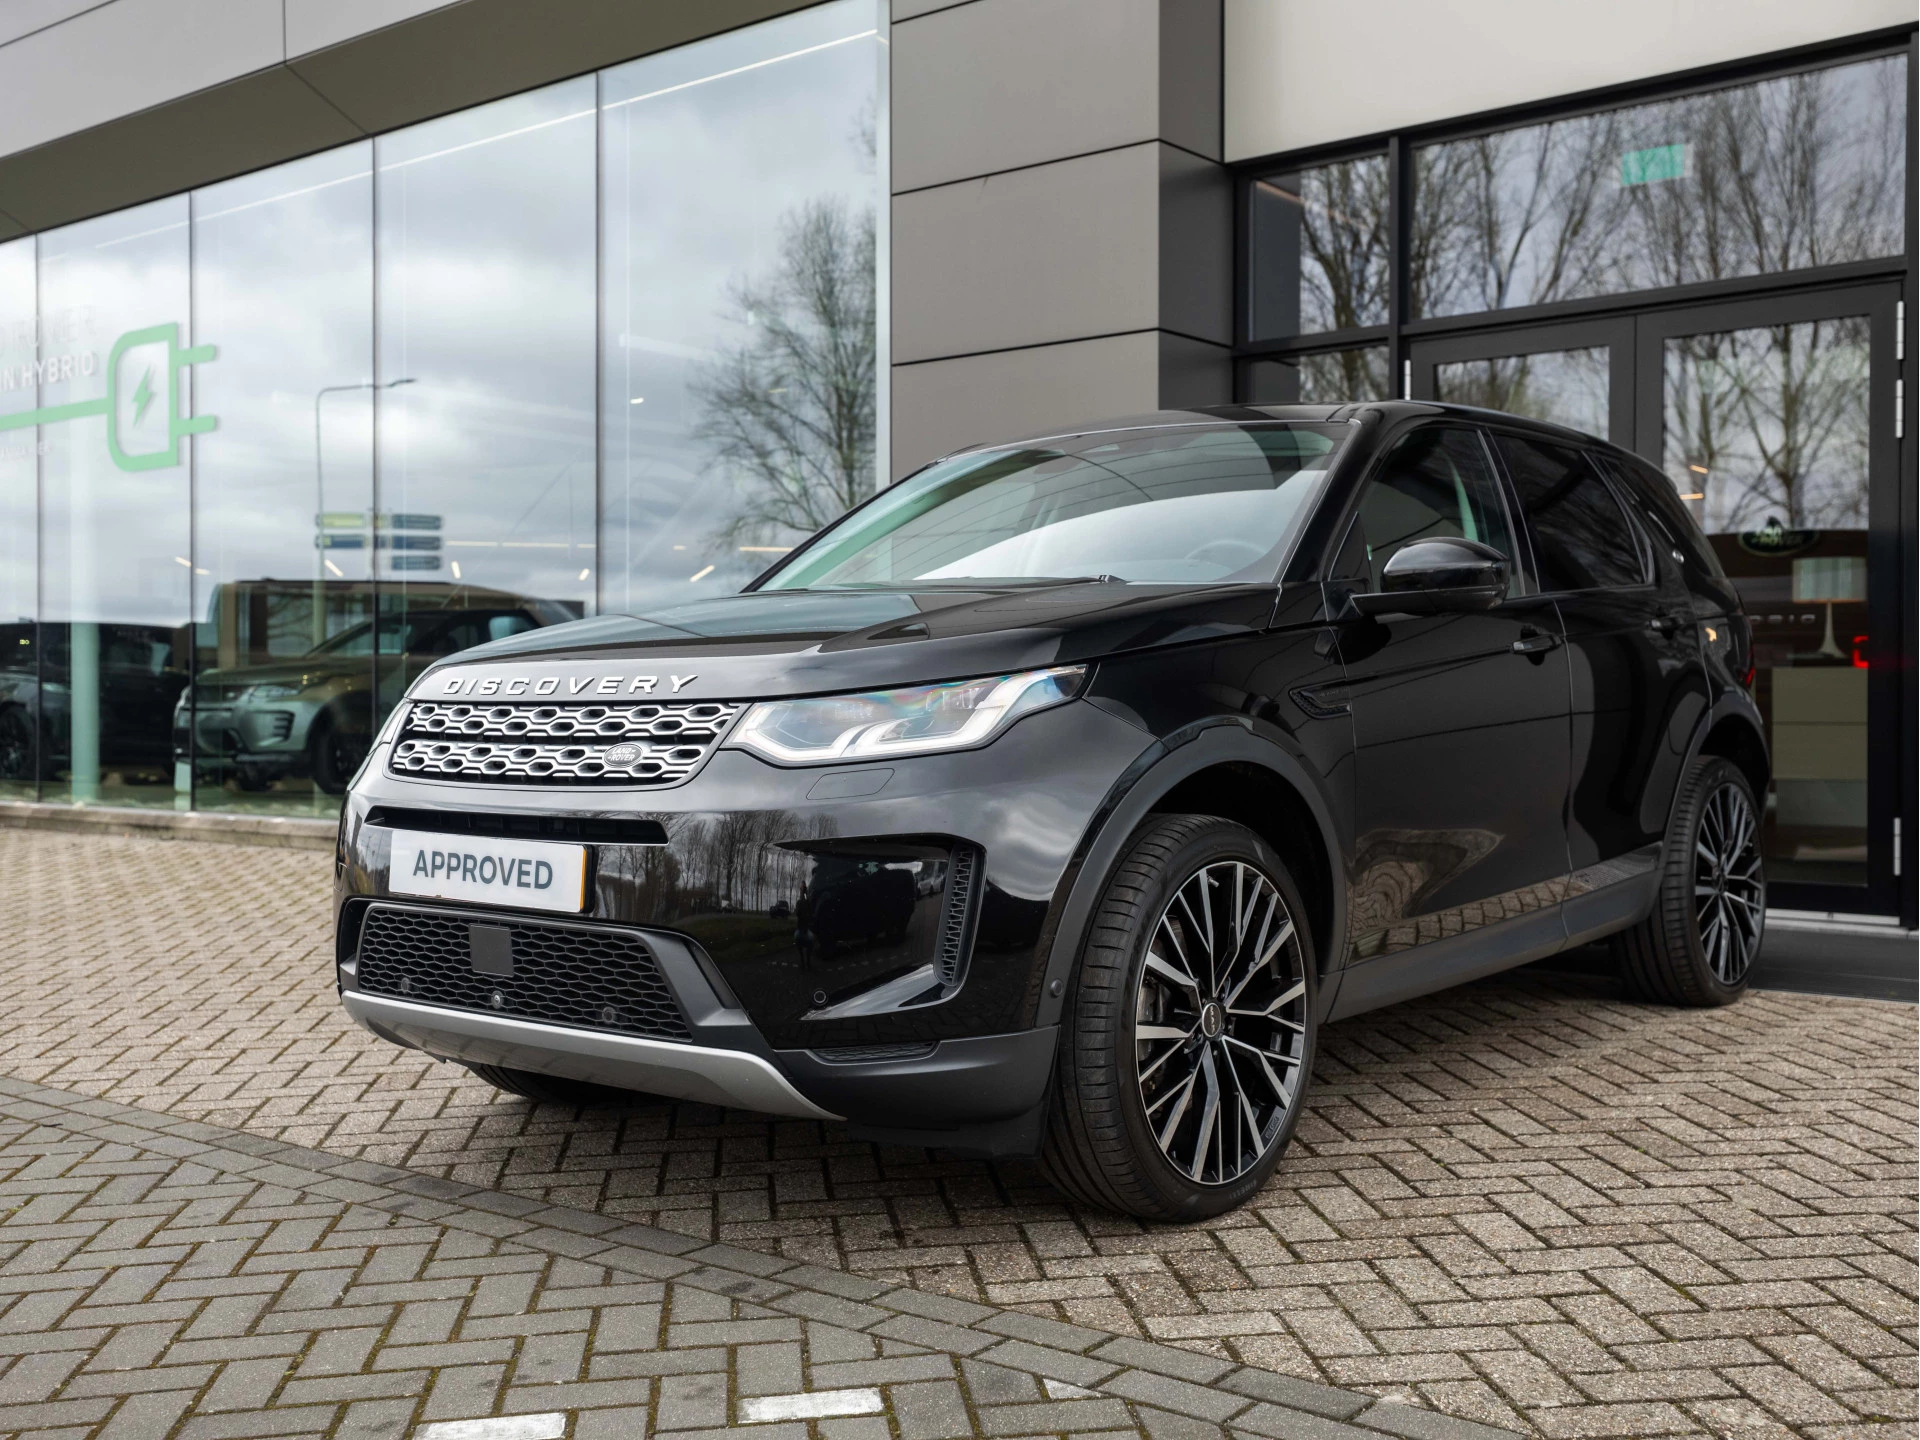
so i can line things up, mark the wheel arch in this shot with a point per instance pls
(1734, 735)
(1225, 768)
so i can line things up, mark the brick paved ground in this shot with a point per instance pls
(1525, 1202)
(164, 1277)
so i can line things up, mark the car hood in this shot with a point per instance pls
(817, 642)
(301, 670)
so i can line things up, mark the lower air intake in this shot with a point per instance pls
(584, 976)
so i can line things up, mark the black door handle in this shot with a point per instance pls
(1663, 624)
(1533, 642)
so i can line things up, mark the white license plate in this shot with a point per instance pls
(528, 874)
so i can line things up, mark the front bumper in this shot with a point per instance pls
(707, 1074)
(797, 1005)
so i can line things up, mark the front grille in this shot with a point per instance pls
(652, 743)
(579, 975)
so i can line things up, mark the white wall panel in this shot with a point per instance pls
(1000, 83)
(315, 24)
(1055, 252)
(125, 57)
(1307, 72)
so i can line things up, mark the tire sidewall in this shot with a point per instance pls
(1180, 1196)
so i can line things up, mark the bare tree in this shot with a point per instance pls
(791, 406)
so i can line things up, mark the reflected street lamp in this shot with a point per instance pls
(320, 503)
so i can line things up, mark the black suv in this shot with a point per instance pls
(1050, 801)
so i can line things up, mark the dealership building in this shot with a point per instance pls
(338, 335)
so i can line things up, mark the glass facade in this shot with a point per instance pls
(1767, 442)
(1728, 277)
(1784, 174)
(269, 448)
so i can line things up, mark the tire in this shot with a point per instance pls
(555, 1089)
(1117, 1092)
(17, 758)
(333, 757)
(1699, 944)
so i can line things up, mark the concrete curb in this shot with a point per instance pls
(273, 831)
(1212, 1396)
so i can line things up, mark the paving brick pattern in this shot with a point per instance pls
(166, 1278)
(1525, 1202)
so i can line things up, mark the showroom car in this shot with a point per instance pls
(1053, 800)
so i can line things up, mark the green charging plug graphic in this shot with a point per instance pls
(126, 407)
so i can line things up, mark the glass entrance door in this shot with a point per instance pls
(1774, 420)
(1577, 375)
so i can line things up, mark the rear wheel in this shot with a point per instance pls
(555, 1089)
(1699, 944)
(1188, 1036)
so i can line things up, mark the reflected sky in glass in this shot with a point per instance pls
(1783, 174)
(709, 152)
(486, 295)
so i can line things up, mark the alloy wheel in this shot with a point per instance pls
(1220, 1022)
(1729, 887)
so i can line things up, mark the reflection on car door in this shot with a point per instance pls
(1460, 727)
(1633, 654)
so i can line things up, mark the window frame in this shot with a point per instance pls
(1596, 472)
(1522, 581)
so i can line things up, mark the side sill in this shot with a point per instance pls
(1449, 962)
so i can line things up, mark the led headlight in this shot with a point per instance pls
(918, 721)
(273, 692)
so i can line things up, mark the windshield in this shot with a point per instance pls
(1178, 506)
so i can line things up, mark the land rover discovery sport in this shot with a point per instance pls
(1052, 800)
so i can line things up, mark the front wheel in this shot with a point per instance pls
(1699, 944)
(1187, 1041)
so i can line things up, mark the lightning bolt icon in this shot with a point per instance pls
(143, 396)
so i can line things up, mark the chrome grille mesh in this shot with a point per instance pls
(651, 743)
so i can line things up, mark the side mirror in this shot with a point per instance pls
(1436, 577)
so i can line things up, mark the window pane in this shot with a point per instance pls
(483, 421)
(1563, 387)
(1778, 175)
(1331, 378)
(739, 399)
(1766, 441)
(1581, 538)
(1320, 249)
(19, 686)
(1436, 485)
(283, 489)
(115, 537)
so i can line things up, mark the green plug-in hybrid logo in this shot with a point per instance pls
(129, 442)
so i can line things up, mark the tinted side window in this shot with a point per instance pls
(1582, 539)
(1435, 484)
(1670, 516)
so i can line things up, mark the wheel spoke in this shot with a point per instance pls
(1263, 956)
(1209, 1116)
(1178, 977)
(1286, 997)
(1160, 1032)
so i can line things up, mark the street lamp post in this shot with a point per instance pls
(320, 504)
